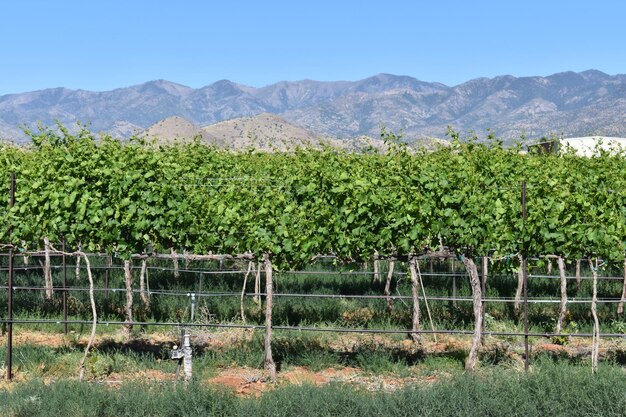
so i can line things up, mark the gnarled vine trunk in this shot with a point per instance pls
(269, 364)
(186, 256)
(376, 267)
(563, 305)
(145, 297)
(77, 267)
(47, 270)
(94, 319)
(128, 280)
(257, 284)
(415, 324)
(388, 285)
(175, 263)
(243, 291)
(477, 302)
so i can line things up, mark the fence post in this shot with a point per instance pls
(10, 289)
(64, 288)
(484, 272)
(524, 267)
(107, 265)
(453, 284)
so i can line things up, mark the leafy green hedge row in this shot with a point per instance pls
(126, 198)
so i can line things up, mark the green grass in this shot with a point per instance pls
(548, 390)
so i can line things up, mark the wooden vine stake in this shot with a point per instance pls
(142, 283)
(620, 306)
(477, 302)
(578, 277)
(415, 327)
(128, 279)
(595, 346)
(388, 285)
(47, 273)
(269, 364)
(94, 320)
(563, 306)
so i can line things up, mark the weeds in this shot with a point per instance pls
(554, 390)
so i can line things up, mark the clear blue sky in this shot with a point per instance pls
(101, 45)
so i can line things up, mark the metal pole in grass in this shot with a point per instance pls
(107, 263)
(10, 289)
(524, 267)
(64, 288)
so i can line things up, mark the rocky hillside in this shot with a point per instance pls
(265, 132)
(572, 104)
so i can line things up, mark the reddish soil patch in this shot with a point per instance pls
(246, 382)
(242, 381)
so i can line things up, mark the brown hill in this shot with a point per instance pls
(264, 131)
(173, 129)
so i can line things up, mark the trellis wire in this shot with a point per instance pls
(300, 295)
(307, 328)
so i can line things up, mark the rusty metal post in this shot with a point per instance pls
(524, 267)
(10, 289)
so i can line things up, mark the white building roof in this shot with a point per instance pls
(588, 145)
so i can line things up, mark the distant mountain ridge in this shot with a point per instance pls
(569, 103)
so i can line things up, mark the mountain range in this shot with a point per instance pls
(568, 103)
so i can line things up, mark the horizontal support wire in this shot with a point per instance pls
(321, 273)
(298, 295)
(305, 328)
(445, 275)
(121, 267)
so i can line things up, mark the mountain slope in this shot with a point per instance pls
(568, 103)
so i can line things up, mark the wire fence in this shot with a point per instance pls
(198, 271)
